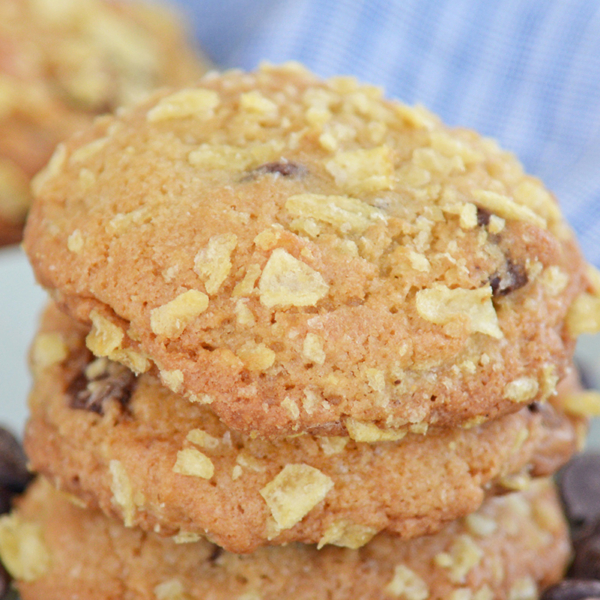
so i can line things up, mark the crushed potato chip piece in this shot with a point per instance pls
(213, 263)
(523, 589)
(294, 492)
(286, 281)
(370, 433)
(255, 102)
(346, 214)
(406, 584)
(521, 389)
(198, 103)
(172, 589)
(193, 463)
(246, 285)
(186, 537)
(581, 404)
(243, 315)
(332, 444)
(440, 305)
(122, 491)
(256, 357)
(463, 556)
(312, 349)
(507, 208)
(75, 242)
(554, 280)
(584, 315)
(481, 525)
(84, 153)
(203, 439)
(172, 379)
(48, 349)
(172, 318)
(364, 170)
(105, 337)
(22, 548)
(346, 534)
(234, 158)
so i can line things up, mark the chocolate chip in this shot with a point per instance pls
(579, 484)
(511, 279)
(13, 464)
(285, 169)
(4, 582)
(586, 564)
(113, 382)
(573, 589)
(6, 497)
(214, 555)
(483, 217)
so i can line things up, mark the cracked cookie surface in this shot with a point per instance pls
(298, 253)
(513, 547)
(152, 459)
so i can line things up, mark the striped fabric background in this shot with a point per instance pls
(526, 72)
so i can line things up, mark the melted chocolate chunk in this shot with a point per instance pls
(586, 564)
(483, 217)
(579, 485)
(114, 382)
(14, 476)
(573, 589)
(512, 279)
(285, 169)
(4, 582)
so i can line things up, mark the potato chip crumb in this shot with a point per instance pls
(105, 337)
(463, 556)
(521, 389)
(246, 285)
(291, 407)
(507, 208)
(347, 534)
(406, 584)
(294, 492)
(171, 319)
(186, 537)
(172, 589)
(122, 491)
(346, 214)
(370, 433)
(199, 103)
(22, 548)
(75, 242)
(312, 349)
(256, 357)
(286, 281)
(441, 305)
(203, 439)
(243, 315)
(213, 263)
(523, 589)
(172, 379)
(332, 444)
(48, 349)
(363, 171)
(584, 315)
(193, 463)
(480, 525)
(581, 404)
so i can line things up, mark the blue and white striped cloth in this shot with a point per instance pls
(526, 72)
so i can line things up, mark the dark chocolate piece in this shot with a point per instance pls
(573, 589)
(13, 464)
(115, 382)
(483, 217)
(514, 278)
(579, 484)
(586, 564)
(4, 582)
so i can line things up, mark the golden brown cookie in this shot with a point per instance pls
(513, 547)
(152, 459)
(299, 252)
(64, 61)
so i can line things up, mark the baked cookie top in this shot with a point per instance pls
(64, 61)
(152, 459)
(514, 547)
(298, 252)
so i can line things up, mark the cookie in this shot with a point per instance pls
(299, 252)
(514, 546)
(152, 459)
(62, 63)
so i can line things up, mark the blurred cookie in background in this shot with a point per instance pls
(64, 62)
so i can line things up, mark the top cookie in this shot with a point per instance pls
(298, 252)
(64, 61)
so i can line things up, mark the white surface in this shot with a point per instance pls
(21, 301)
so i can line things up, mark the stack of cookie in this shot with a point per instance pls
(289, 310)
(64, 62)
